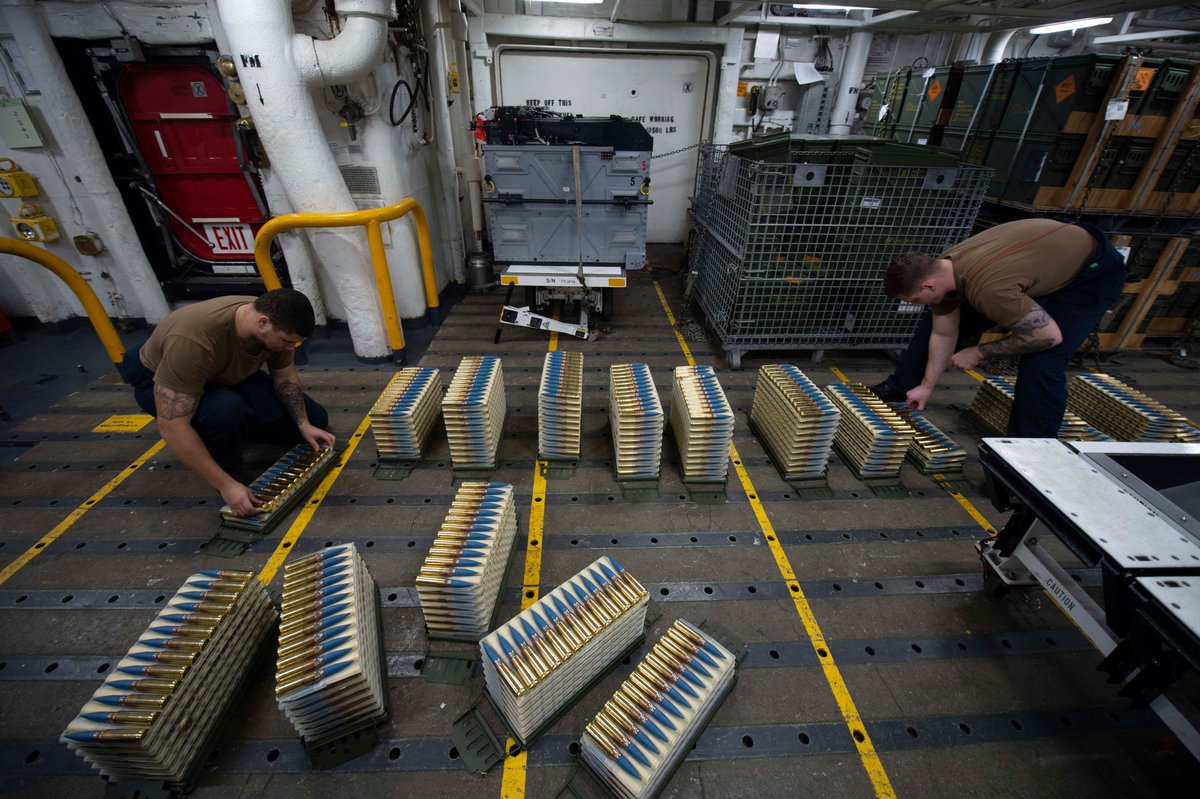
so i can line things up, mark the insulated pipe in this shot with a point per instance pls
(853, 65)
(78, 286)
(296, 249)
(274, 64)
(73, 134)
(452, 230)
(993, 48)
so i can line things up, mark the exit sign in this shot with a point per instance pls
(230, 239)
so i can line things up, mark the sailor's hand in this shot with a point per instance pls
(916, 398)
(316, 437)
(240, 500)
(966, 359)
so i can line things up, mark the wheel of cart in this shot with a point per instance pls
(734, 358)
(606, 303)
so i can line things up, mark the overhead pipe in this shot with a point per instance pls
(452, 230)
(994, 47)
(853, 66)
(277, 68)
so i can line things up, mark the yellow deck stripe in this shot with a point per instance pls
(314, 502)
(841, 693)
(76, 514)
(979, 518)
(512, 783)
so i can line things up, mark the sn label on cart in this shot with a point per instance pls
(872, 203)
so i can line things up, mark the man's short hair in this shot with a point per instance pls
(906, 271)
(289, 311)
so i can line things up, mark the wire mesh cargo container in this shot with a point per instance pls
(792, 256)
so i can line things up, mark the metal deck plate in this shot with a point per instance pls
(1179, 596)
(1133, 535)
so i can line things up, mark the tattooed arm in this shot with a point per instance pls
(1036, 331)
(291, 394)
(174, 410)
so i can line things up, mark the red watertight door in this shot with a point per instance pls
(185, 129)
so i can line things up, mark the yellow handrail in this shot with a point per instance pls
(78, 286)
(371, 218)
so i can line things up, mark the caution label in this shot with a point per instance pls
(124, 423)
(1141, 79)
(1064, 88)
(743, 87)
(935, 90)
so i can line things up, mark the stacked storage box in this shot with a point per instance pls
(155, 712)
(460, 581)
(560, 405)
(636, 417)
(474, 408)
(636, 741)
(1123, 412)
(536, 664)
(406, 412)
(329, 677)
(870, 435)
(702, 422)
(794, 419)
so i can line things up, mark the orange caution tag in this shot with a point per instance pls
(1065, 88)
(935, 89)
(743, 87)
(1141, 79)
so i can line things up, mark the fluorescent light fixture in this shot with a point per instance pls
(821, 7)
(1071, 25)
(569, 2)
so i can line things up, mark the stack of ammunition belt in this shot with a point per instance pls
(474, 409)
(795, 420)
(931, 450)
(1123, 412)
(993, 403)
(459, 582)
(288, 478)
(329, 677)
(406, 412)
(153, 715)
(1188, 435)
(870, 435)
(536, 663)
(560, 405)
(642, 733)
(636, 417)
(702, 422)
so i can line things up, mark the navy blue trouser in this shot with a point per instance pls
(228, 416)
(1041, 392)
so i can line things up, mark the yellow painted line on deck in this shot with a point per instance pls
(841, 693)
(77, 514)
(974, 513)
(314, 502)
(512, 783)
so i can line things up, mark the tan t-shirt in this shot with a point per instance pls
(1000, 271)
(198, 344)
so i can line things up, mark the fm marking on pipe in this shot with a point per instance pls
(76, 514)
(314, 502)
(841, 693)
(512, 783)
(957, 496)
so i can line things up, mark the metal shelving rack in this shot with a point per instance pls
(792, 255)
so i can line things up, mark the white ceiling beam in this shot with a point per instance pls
(1189, 25)
(616, 12)
(1143, 36)
(737, 11)
(473, 7)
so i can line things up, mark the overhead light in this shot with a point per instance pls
(1071, 25)
(820, 7)
(571, 2)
